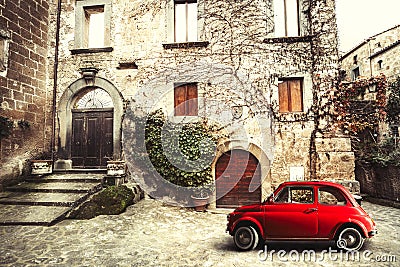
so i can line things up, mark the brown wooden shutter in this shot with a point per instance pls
(296, 96)
(283, 96)
(180, 97)
(192, 104)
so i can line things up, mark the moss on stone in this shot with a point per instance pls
(112, 200)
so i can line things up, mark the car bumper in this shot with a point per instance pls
(372, 233)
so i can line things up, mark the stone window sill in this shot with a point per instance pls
(91, 50)
(296, 39)
(185, 45)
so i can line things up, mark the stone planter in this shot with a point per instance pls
(200, 203)
(116, 168)
(40, 167)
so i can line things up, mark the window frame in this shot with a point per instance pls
(380, 64)
(289, 191)
(87, 33)
(290, 94)
(355, 71)
(187, 109)
(324, 189)
(186, 3)
(81, 32)
(285, 21)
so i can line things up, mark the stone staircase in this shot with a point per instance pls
(45, 200)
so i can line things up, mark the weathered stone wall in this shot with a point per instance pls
(239, 65)
(335, 158)
(379, 181)
(383, 46)
(390, 65)
(23, 92)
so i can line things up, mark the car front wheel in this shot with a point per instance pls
(350, 239)
(246, 238)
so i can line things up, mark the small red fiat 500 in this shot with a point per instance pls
(303, 211)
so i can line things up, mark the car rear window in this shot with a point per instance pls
(331, 196)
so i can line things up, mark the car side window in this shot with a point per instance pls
(283, 196)
(301, 195)
(331, 196)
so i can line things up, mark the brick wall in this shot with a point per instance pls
(23, 92)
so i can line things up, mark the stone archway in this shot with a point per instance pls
(238, 179)
(258, 155)
(66, 106)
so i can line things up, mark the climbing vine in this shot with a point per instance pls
(393, 105)
(360, 105)
(181, 154)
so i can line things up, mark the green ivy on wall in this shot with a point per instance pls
(181, 153)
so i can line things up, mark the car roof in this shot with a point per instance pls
(321, 183)
(314, 182)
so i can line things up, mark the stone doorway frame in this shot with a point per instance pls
(64, 114)
(257, 152)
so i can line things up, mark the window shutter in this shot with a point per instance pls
(180, 97)
(192, 104)
(296, 96)
(283, 97)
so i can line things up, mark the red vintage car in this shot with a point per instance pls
(309, 210)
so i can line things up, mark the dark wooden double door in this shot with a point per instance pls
(238, 178)
(92, 137)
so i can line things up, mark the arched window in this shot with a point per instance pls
(93, 98)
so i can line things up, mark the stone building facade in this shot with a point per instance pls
(263, 70)
(24, 97)
(376, 55)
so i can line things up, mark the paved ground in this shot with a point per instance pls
(153, 234)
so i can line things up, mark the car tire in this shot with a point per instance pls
(246, 238)
(350, 239)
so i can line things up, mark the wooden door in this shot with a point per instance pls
(92, 137)
(235, 171)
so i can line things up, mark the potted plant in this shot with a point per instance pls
(42, 164)
(116, 172)
(116, 167)
(200, 197)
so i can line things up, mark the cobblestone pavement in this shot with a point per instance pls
(151, 233)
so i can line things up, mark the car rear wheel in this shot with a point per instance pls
(350, 239)
(246, 238)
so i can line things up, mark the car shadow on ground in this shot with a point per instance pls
(300, 246)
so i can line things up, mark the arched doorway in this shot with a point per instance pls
(92, 128)
(238, 175)
(81, 100)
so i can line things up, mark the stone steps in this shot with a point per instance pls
(45, 200)
(41, 198)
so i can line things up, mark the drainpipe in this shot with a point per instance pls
(55, 75)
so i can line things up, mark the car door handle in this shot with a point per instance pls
(307, 211)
